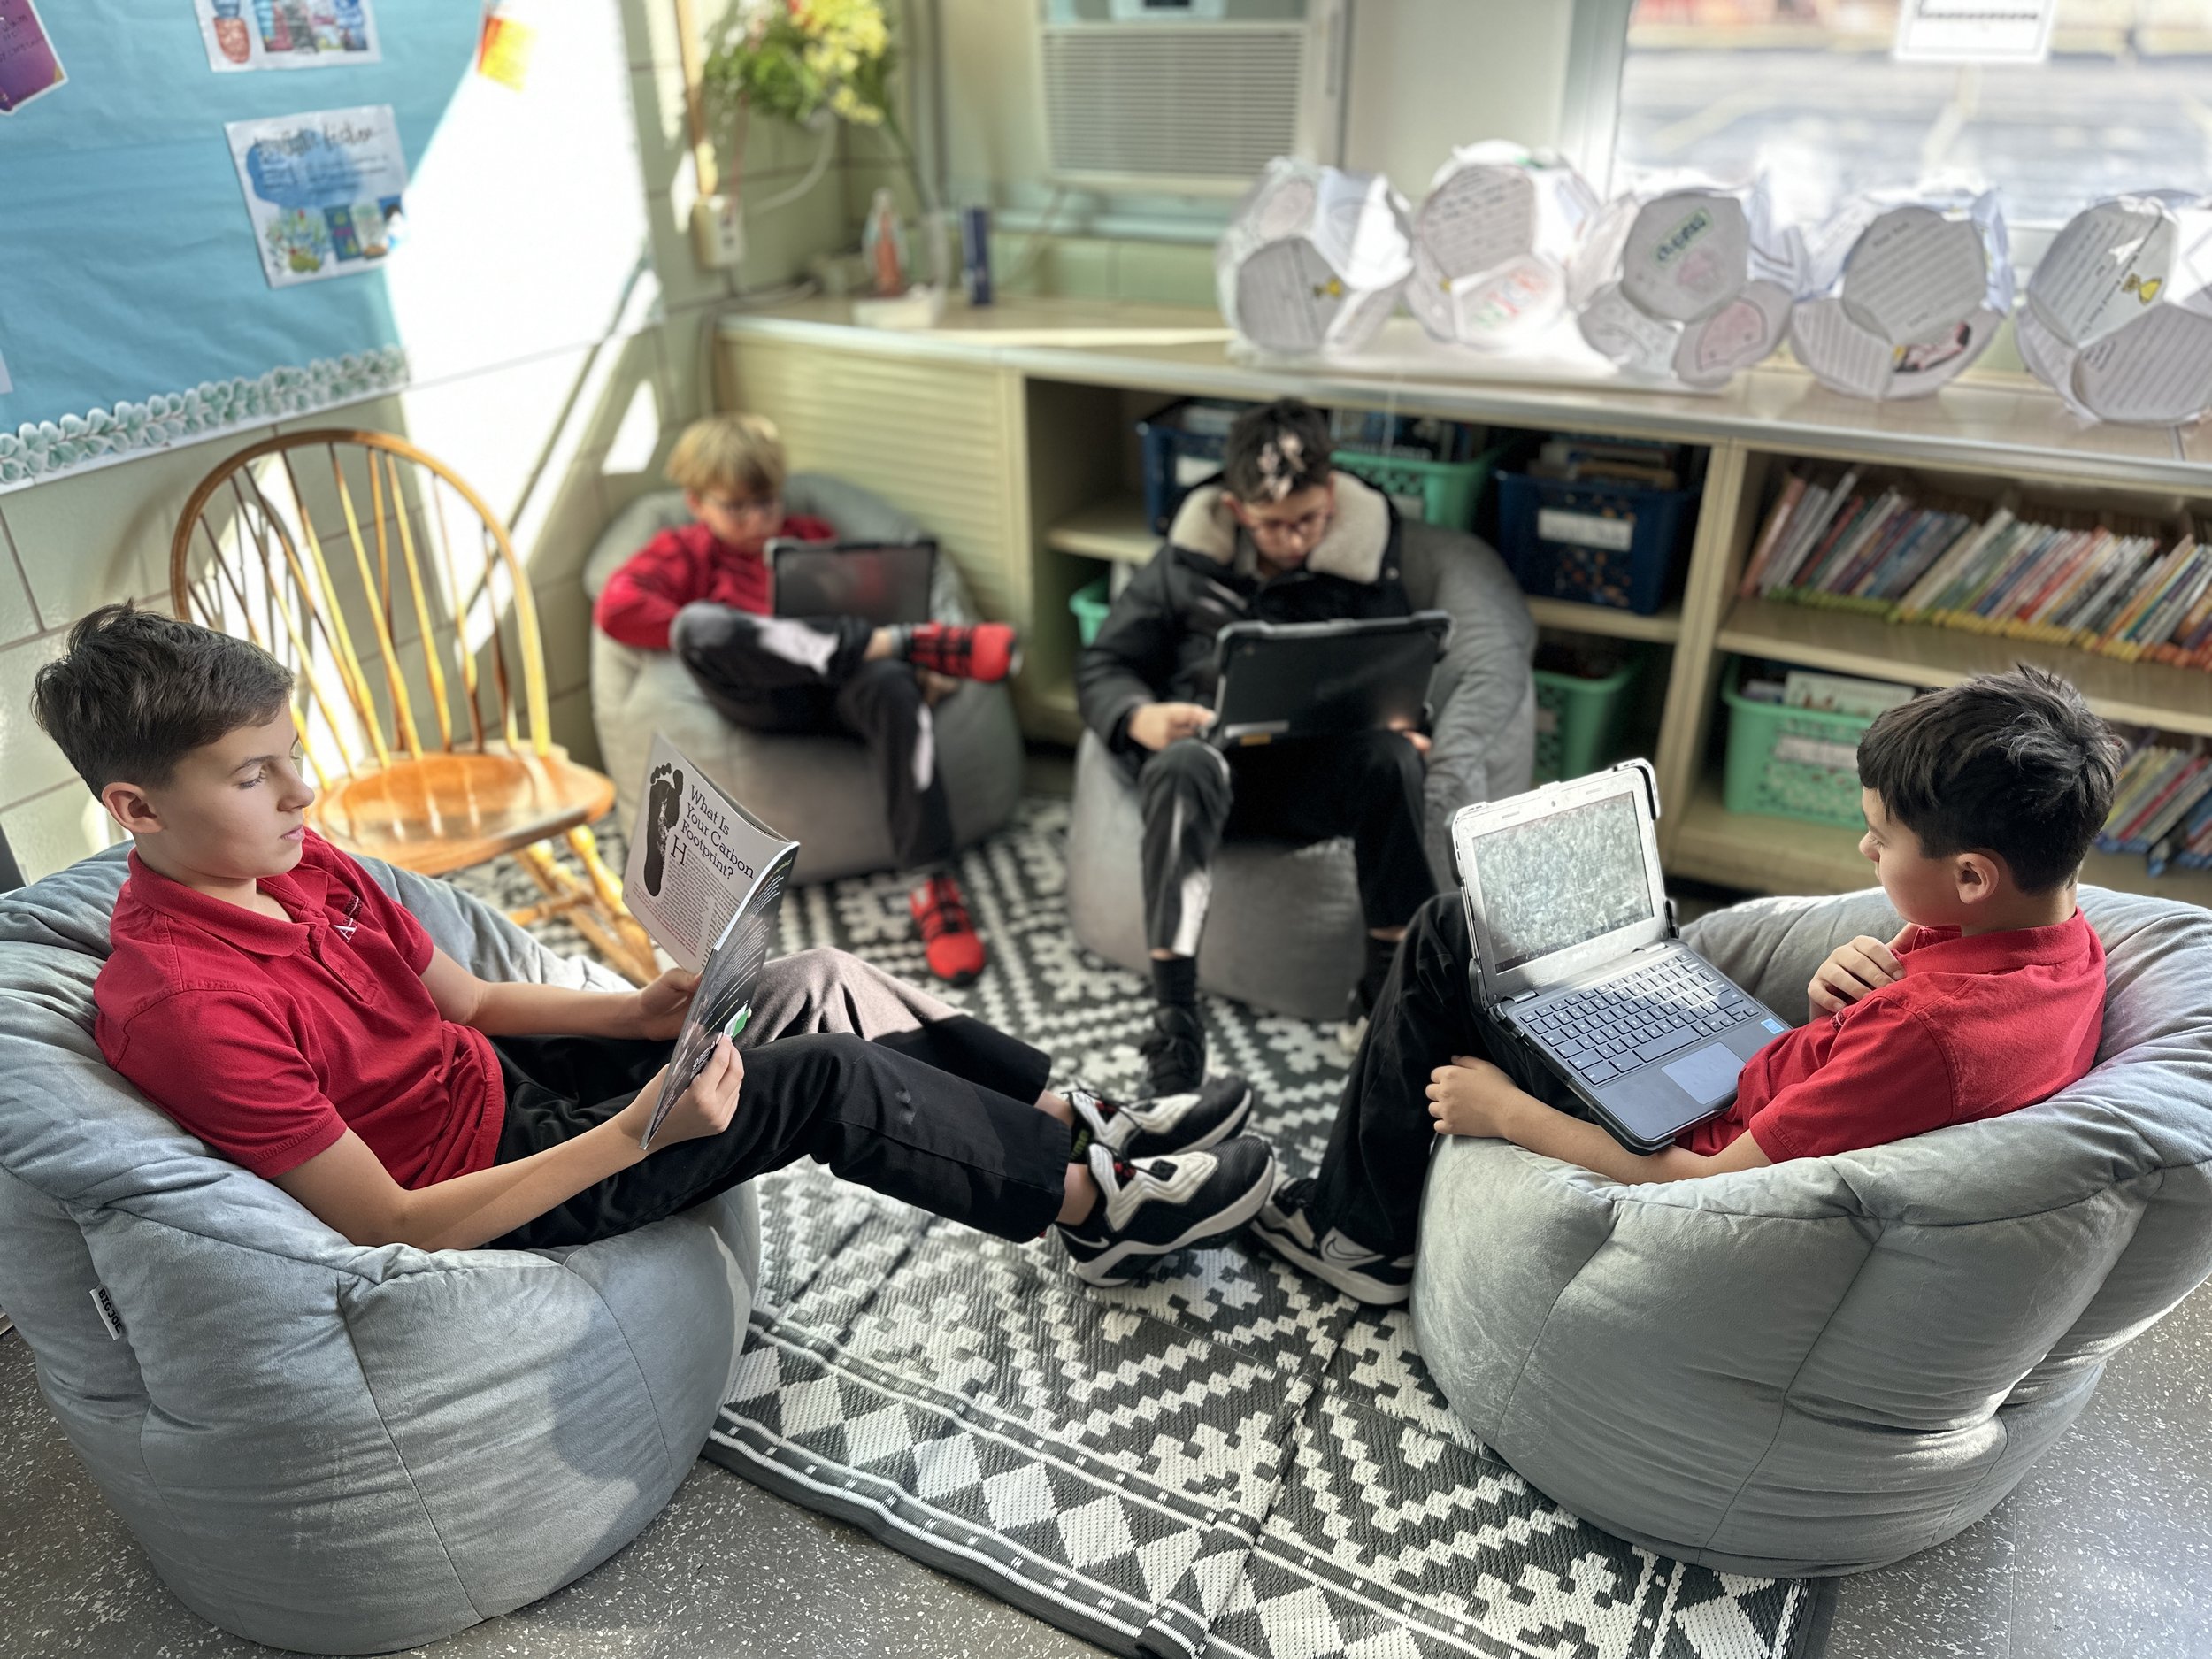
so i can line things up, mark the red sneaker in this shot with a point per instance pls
(954, 948)
(985, 651)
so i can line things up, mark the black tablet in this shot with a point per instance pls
(881, 582)
(1325, 678)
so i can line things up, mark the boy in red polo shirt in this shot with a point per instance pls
(267, 993)
(1980, 803)
(702, 590)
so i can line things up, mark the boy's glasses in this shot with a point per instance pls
(755, 509)
(1306, 528)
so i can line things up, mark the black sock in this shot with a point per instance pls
(1175, 980)
(1380, 953)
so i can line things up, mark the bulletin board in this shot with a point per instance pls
(135, 311)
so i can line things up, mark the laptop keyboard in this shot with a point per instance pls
(1638, 1018)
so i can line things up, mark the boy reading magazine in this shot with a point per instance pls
(273, 998)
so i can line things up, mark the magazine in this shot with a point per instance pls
(706, 877)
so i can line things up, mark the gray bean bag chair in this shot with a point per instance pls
(818, 789)
(322, 1447)
(1828, 1364)
(1303, 958)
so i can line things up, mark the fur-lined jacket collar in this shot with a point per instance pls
(1352, 547)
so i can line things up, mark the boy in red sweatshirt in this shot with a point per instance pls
(702, 590)
(1980, 804)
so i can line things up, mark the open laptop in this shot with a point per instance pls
(1577, 958)
(1282, 680)
(881, 582)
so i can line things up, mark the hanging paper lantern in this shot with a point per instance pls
(1688, 283)
(1491, 244)
(1314, 259)
(1907, 291)
(2117, 319)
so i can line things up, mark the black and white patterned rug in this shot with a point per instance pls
(1228, 1459)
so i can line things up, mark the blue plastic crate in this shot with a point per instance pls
(1176, 459)
(1602, 543)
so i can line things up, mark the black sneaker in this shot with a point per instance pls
(1168, 1123)
(1174, 1053)
(1155, 1206)
(1359, 1272)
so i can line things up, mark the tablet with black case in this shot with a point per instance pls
(881, 582)
(1325, 678)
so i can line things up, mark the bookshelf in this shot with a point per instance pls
(1053, 388)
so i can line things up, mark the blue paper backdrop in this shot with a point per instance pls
(129, 269)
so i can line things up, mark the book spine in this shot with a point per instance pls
(1771, 534)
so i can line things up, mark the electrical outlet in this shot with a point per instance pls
(718, 232)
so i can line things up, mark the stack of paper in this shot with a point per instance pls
(1315, 258)
(2118, 315)
(1919, 288)
(1688, 282)
(1491, 245)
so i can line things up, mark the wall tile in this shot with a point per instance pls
(17, 620)
(52, 831)
(104, 534)
(572, 730)
(1165, 274)
(565, 625)
(495, 427)
(28, 763)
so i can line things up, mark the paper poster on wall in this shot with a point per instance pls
(504, 53)
(29, 66)
(324, 190)
(1974, 31)
(243, 35)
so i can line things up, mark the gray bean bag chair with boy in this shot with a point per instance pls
(323, 1446)
(819, 790)
(1827, 1364)
(1283, 931)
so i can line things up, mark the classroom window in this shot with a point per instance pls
(1808, 92)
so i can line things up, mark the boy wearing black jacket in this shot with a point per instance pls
(1280, 537)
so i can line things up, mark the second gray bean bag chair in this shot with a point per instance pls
(320, 1446)
(818, 789)
(1283, 931)
(1825, 1365)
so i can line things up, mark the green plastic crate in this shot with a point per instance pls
(1446, 490)
(1791, 763)
(1090, 604)
(1579, 719)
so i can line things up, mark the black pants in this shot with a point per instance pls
(789, 674)
(1369, 1182)
(1194, 796)
(940, 1114)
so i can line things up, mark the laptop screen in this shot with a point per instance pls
(1553, 882)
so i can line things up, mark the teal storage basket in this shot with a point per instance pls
(1090, 604)
(1791, 763)
(1446, 490)
(1579, 719)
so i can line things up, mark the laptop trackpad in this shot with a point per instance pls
(1707, 1075)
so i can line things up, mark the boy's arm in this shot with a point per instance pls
(1473, 1097)
(1132, 657)
(642, 597)
(503, 1009)
(350, 1191)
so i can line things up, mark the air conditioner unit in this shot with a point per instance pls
(1189, 96)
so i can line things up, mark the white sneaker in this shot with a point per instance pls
(1151, 1207)
(1364, 1275)
(1165, 1124)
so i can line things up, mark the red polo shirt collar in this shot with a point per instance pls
(303, 891)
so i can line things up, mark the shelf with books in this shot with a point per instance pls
(1570, 616)
(1783, 854)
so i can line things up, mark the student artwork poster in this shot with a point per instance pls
(246, 34)
(29, 66)
(324, 189)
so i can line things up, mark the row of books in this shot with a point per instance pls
(2132, 589)
(2162, 806)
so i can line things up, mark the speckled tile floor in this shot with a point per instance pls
(2105, 1551)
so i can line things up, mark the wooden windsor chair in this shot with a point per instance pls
(308, 541)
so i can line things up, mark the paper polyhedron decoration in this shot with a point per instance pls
(1907, 291)
(1315, 258)
(1491, 244)
(2118, 315)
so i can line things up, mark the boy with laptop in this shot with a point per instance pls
(1981, 801)
(1281, 538)
(263, 991)
(702, 590)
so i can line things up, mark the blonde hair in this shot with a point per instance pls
(734, 455)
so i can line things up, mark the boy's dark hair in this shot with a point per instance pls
(1276, 450)
(2013, 764)
(136, 691)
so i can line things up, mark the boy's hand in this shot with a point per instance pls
(935, 687)
(661, 1005)
(1157, 724)
(1471, 1097)
(1852, 970)
(1418, 738)
(706, 1108)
